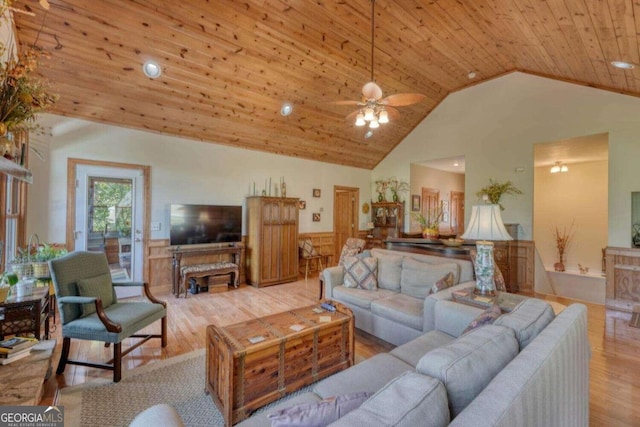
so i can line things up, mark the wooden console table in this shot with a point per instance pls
(235, 250)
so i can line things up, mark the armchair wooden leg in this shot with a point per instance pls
(306, 269)
(117, 362)
(163, 338)
(66, 344)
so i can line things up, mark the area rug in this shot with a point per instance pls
(635, 317)
(178, 381)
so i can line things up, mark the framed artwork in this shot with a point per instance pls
(302, 204)
(316, 193)
(415, 203)
(316, 217)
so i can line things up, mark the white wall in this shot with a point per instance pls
(182, 171)
(496, 123)
(578, 196)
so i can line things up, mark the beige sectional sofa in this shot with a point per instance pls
(400, 309)
(528, 368)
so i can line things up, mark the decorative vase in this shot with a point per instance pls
(380, 197)
(430, 233)
(394, 197)
(559, 266)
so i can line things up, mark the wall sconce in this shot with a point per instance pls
(559, 167)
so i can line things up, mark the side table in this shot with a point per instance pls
(505, 300)
(26, 314)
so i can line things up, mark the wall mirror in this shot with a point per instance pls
(438, 184)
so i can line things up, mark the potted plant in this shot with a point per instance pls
(430, 222)
(43, 255)
(396, 187)
(494, 191)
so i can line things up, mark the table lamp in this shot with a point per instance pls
(370, 227)
(485, 224)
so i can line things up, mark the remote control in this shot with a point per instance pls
(328, 306)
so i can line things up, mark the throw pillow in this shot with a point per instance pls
(444, 283)
(347, 252)
(307, 249)
(99, 287)
(498, 278)
(318, 414)
(487, 317)
(361, 273)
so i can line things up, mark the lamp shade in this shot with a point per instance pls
(486, 224)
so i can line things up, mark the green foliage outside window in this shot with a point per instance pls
(111, 196)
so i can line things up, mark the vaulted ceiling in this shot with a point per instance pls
(227, 66)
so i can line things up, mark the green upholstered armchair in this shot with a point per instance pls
(89, 309)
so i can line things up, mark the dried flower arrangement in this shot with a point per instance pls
(494, 191)
(22, 94)
(562, 242)
(431, 220)
(394, 184)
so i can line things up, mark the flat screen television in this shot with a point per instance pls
(201, 224)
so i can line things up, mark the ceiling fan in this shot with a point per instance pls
(43, 3)
(374, 109)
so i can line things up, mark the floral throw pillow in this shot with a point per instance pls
(487, 317)
(444, 283)
(361, 273)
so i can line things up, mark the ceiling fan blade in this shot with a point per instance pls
(347, 103)
(44, 4)
(351, 117)
(371, 91)
(403, 99)
(393, 113)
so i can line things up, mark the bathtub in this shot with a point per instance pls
(583, 287)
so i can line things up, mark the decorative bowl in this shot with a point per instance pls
(452, 242)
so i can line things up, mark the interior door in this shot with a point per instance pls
(430, 200)
(345, 216)
(457, 212)
(109, 218)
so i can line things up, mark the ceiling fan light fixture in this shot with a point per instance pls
(369, 114)
(374, 124)
(360, 119)
(383, 117)
(151, 69)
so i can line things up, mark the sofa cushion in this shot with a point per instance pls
(417, 277)
(413, 351)
(409, 400)
(369, 375)
(98, 287)
(389, 271)
(487, 317)
(400, 308)
(527, 319)
(469, 363)
(360, 297)
(318, 414)
(361, 273)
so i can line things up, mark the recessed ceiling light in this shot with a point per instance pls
(472, 75)
(456, 164)
(151, 69)
(623, 65)
(286, 109)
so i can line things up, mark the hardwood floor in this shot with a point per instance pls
(615, 346)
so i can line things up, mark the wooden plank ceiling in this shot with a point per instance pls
(229, 65)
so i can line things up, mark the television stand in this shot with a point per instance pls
(234, 250)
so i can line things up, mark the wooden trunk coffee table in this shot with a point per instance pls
(298, 347)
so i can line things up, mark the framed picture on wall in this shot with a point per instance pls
(316, 192)
(316, 217)
(302, 204)
(415, 203)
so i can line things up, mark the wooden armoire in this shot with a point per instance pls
(272, 240)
